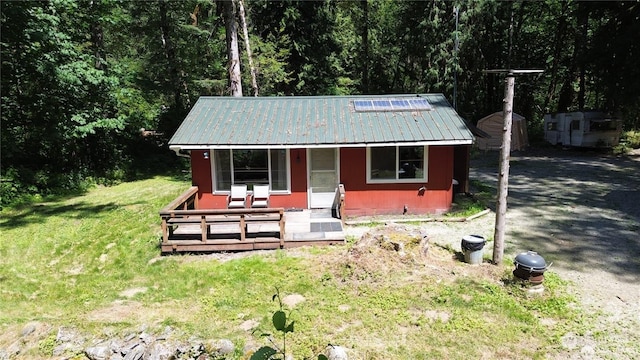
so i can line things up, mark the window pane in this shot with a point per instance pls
(223, 170)
(383, 163)
(575, 125)
(411, 162)
(324, 159)
(602, 125)
(279, 169)
(250, 167)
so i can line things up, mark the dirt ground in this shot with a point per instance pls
(580, 210)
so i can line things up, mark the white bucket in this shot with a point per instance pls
(472, 246)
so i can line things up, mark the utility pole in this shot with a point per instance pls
(455, 61)
(505, 153)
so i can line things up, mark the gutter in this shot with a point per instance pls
(177, 147)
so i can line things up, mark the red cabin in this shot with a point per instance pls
(393, 154)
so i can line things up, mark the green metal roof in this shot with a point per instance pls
(316, 121)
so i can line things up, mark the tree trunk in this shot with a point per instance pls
(365, 46)
(245, 32)
(231, 27)
(170, 54)
(97, 38)
(583, 26)
(559, 38)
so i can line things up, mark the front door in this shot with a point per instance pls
(323, 177)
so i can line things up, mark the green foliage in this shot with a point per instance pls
(47, 345)
(628, 141)
(632, 139)
(467, 205)
(79, 81)
(280, 321)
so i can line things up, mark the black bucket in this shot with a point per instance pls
(530, 266)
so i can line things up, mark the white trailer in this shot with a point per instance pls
(582, 129)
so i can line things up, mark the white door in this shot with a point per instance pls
(323, 177)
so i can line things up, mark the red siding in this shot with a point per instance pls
(298, 197)
(201, 176)
(375, 199)
(361, 198)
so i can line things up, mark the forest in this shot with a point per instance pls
(92, 90)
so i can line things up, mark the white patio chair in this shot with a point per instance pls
(260, 196)
(237, 199)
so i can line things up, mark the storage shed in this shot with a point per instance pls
(493, 124)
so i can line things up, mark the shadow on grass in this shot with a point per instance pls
(582, 209)
(39, 213)
(147, 160)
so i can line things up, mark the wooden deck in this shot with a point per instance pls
(188, 229)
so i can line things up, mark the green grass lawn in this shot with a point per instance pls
(70, 262)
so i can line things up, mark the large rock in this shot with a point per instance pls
(68, 341)
(98, 352)
(160, 351)
(336, 353)
(292, 300)
(220, 348)
(137, 353)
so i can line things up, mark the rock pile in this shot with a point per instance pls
(68, 343)
(148, 347)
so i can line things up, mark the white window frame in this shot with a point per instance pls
(271, 191)
(398, 180)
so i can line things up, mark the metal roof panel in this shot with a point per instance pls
(315, 121)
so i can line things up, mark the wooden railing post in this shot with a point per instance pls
(165, 234)
(180, 213)
(341, 203)
(281, 222)
(243, 228)
(203, 227)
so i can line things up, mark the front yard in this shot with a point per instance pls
(91, 263)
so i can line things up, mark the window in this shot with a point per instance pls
(575, 125)
(253, 166)
(396, 164)
(606, 125)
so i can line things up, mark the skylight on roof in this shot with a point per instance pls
(392, 104)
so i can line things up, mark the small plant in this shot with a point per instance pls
(628, 141)
(281, 322)
(46, 345)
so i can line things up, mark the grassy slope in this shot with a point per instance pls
(67, 263)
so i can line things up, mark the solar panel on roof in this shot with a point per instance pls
(363, 105)
(419, 104)
(399, 103)
(392, 104)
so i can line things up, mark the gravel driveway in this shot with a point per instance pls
(581, 211)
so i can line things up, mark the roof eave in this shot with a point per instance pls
(178, 147)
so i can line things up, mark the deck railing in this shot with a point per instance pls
(186, 200)
(183, 212)
(338, 203)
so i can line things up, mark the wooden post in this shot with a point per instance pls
(165, 235)
(281, 223)
(503, 176)
(243, 228)
(204, 227)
